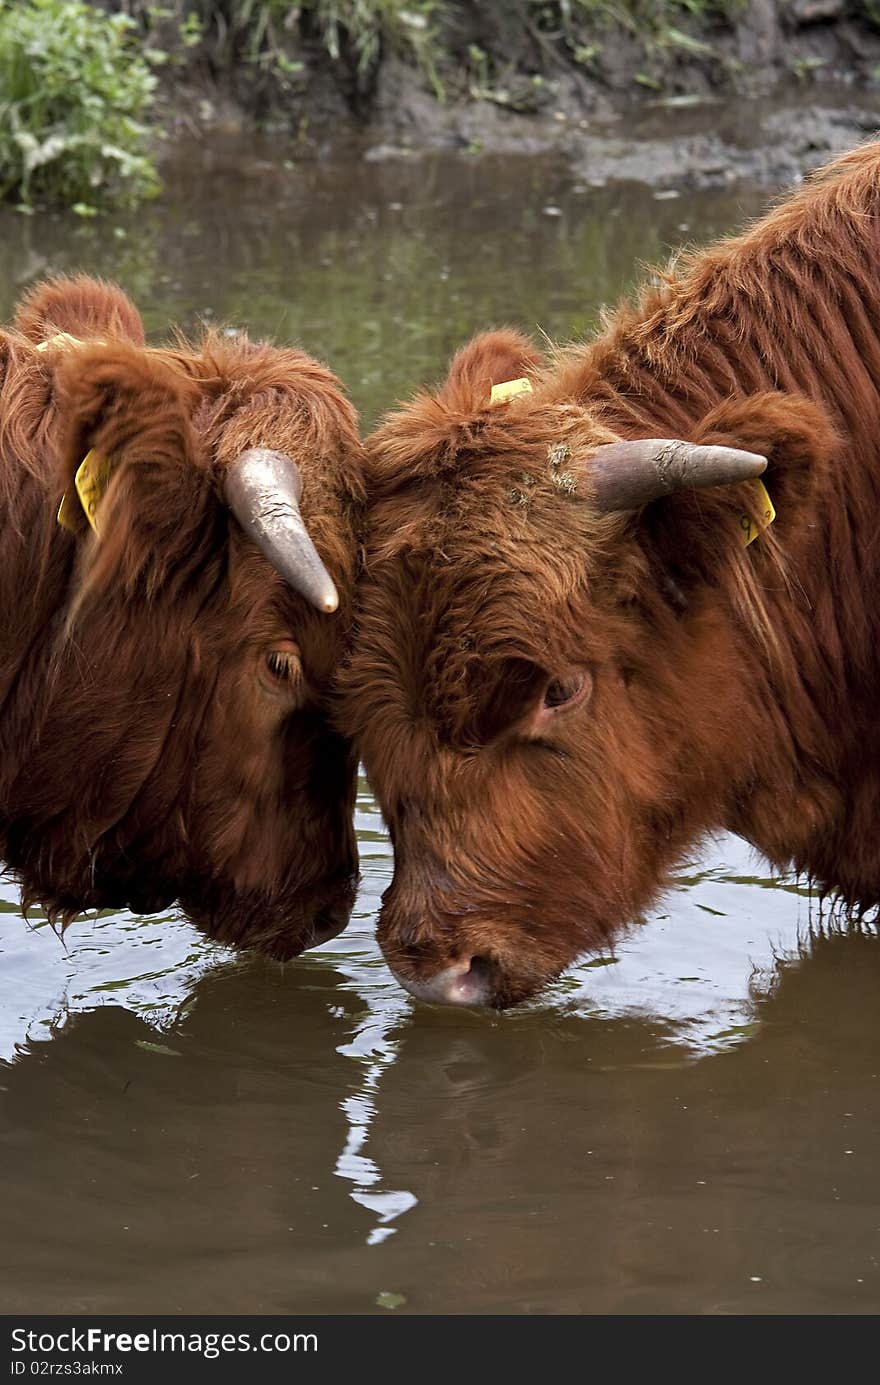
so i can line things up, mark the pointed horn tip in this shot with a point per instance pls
(319, 590)
(753, 461)
(262, 489)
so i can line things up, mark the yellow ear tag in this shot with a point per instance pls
(509, 389)
(67, 514)
(750, 528)
(91, 480)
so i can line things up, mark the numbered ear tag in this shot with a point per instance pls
(91, 481)
(509, 389)
(750, 528)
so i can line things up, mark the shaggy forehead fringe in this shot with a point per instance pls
(312, 408)
(455, 428)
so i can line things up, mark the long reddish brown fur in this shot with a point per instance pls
(732, 687)
(141, 758)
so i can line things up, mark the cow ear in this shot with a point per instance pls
(488, 359)
(696, 530)
(80, 306)
(131, 411)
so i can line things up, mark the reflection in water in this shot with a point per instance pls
(698, 961)
(622, 1145)
(689, 1124)
(148, 964)
(357, 1167)
(598, 1169)
(372, 1045)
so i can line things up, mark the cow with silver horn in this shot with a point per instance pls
(622, 598)
(180, 529)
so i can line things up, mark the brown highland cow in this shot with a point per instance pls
(166, 636)
(570, 666)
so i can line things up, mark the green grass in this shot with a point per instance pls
(405, 25)
(277, 36)
(74, 91)
(654, 22)
(264, 31)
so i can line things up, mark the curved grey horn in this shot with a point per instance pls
(627, 475)
(263, 490)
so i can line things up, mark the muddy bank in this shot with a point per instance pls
(679, 96)
(709, 142)
(704, 142)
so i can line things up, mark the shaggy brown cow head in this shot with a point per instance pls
(164, 733)
(547, 680)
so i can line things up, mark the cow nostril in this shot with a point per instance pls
(469, 981)
(479, 980)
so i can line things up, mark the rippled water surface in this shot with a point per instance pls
(691, 1124)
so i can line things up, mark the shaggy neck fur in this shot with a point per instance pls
(791, 306)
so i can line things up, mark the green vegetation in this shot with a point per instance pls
(365, 26)
(73, 93)
(354, 35)
(640, 16)
(659, 26)
(273, 34)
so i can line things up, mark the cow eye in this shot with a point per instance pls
(282, 665)
(563, 691)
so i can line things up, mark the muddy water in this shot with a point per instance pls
(691, 1124)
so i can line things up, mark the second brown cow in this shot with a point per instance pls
(570, 663)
